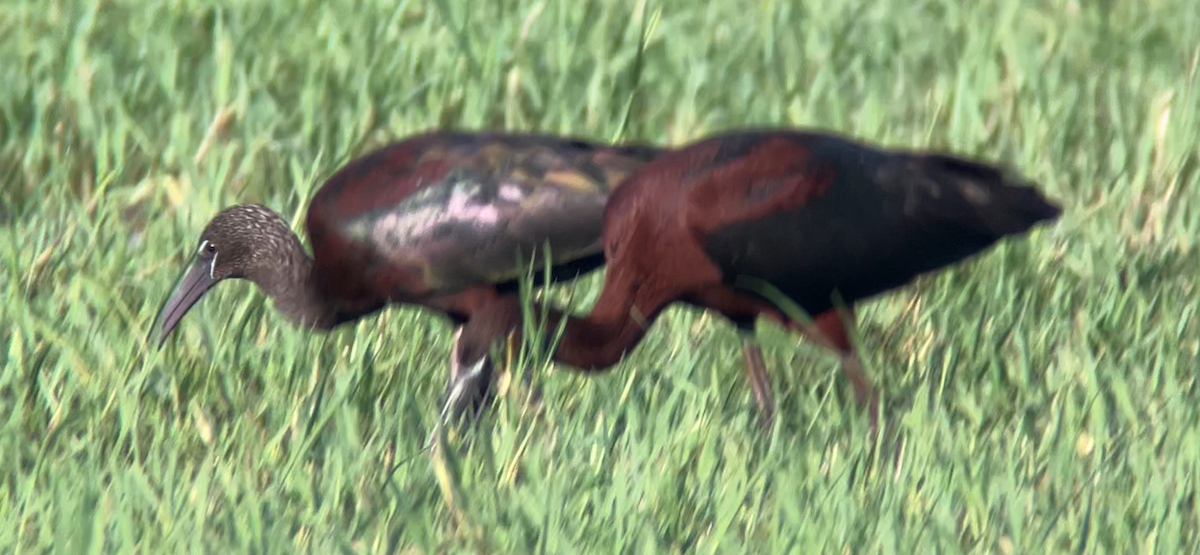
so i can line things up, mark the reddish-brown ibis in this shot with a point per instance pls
(816, 216)
(436, 220)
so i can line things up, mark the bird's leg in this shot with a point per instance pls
(465, 396)
(760, 382)
(829, 329)
(864, 392)
(468, 387)
(455, 367)
(462, 386)
(743, 310)
(468, 393)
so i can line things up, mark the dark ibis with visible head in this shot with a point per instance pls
(436, 220)
(816, 216)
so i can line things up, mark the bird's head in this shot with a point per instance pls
(246, 241)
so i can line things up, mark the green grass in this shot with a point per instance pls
(1045, 393)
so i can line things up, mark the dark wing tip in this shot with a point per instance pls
(1026, 198)
(1014, 203)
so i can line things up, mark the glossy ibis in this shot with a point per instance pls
(809, 213)
(435, 220)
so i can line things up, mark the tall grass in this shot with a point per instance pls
(1043, 396)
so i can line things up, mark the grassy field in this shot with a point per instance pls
(1043, 397)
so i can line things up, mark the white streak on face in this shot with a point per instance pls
(212, 267)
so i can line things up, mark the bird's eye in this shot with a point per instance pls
(207, 249)
(210, 248)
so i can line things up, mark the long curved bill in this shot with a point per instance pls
(194, 283)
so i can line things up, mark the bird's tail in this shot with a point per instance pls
(1001, 201)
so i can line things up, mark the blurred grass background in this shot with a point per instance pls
(1045, 393)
